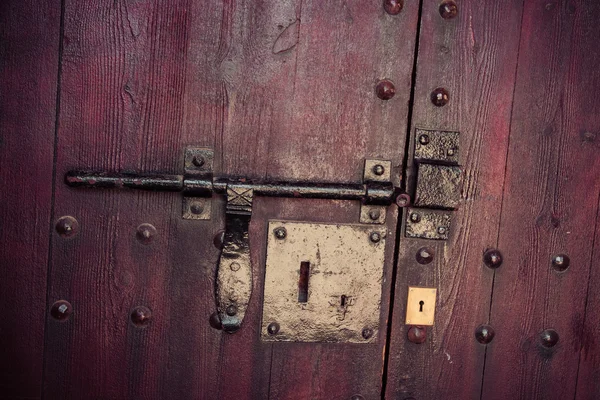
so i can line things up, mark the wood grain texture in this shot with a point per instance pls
(28, 82)
(279, 90)
(550, 205)
(474, 57)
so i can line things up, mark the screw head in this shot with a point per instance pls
(273, 328)
(385, 89)
(484, 334)
(67, 226)
(448, 9)
(378, 169)
(367, 333)
(414, 217)
(417, 334)
(198, 160)
(403, 200)
(441, 230)
(61, 310)
(215, 321)
(393, 7)
(280, 233)
(234, 266)
(375, 237)
(140, 316)
(424, 255)
(424, 139)
(196, 208)
(145, 233)
(561, 262)
(231, 310)
(374, 214)
(440, 97)
(492, 258)
(549, 338)
(450, 152)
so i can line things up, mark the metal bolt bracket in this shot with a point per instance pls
(430, 224)
(198, 162)
(372, 214)
(375, 171)
(436, 146)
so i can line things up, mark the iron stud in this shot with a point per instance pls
(385, 89)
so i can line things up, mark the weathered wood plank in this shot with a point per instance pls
(473, 56)
(29, 41)
(550, 204)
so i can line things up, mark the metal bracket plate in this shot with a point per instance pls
(438, 186)
(198, 161)
(428, 224)
(436, 146)
(323, 282)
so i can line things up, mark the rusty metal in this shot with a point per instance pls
(215, 321)
(440, 97)
(484, 334)
(385, 89)
(417, 334)
(448, 9)
(435, 146)
(420, 306)
(198, 208)
(549, 338)
(140, 316)
(273, 328)
(492, 258)
(425, 224)
(424, 255)
(403, 200)
(61, 310)
(234, 283)
(372, 214)
(561, 262)
(377, 171)
(438, 186)
(67, 226)
(393, 7)
(344, 282)
(145, 233)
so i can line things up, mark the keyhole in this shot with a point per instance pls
(343, 300)
(303, 282)
(421, 305)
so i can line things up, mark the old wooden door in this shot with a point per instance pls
(108, 294)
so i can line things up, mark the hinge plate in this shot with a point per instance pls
(323, 282)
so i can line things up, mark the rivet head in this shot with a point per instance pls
(492, 258)
(235, 266)
(441, 230)
(448, 9)
(198, 160)
(357, 397)
(215, 321)
(549, 338)
(393, 7)
(374, 214)
(417, 334)
(561, 262)
(367, 333)
(280, 233)
(67, 226)
(231, 310)
(61, 310)
(378, 169)
(403, 200)
(424, 255)
(588, 136)
(385, 89)
(375, 237)
(145, 233)
(414, 217)
(450, 152)
(196, 208)
(218, 239)
(440, 97)
(140, 316)
(273, 328)
(424, 139)
(484, 334)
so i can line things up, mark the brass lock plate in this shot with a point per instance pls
(323, 282)
(420, 306)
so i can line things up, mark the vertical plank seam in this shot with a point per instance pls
(512, 107)
(587, 294)
(53, 192)
(400, 217)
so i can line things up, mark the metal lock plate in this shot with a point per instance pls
(438, 186)
(323, 282)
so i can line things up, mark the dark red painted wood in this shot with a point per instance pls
(280, 90)
(473, 57)
(550, 206)
(29, 40)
